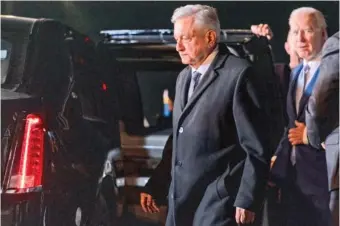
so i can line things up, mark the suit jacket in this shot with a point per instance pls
(322, 115)
(310, 161)
(220, 157)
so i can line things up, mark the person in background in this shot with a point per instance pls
(294, 59)
(300, 169)
(322, 119)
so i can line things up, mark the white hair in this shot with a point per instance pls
(318, 16)
(204, 16)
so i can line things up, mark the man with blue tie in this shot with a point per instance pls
(300, 169)
(322, 119)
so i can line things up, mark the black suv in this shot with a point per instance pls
(142, 68)
(54, 132)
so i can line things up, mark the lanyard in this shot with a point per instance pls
(311, 83)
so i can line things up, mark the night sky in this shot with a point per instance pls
(90, 17)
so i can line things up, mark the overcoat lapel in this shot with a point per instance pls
(206, 81)
(185, 87)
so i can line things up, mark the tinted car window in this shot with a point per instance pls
(14, 39)
(154, 69)
(6, 50)
(155, 88)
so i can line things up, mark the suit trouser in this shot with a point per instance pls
(272, 214)
(334, 206)
(302, 209)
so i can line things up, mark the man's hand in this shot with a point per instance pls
(262, 30)
(148, 203)
(272, 161)
(243, 216)
(295, 135)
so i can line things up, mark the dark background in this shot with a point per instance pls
(91, 17)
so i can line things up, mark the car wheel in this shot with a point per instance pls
(49, 216)
(78, 216)
(102, 214)
(61, 213)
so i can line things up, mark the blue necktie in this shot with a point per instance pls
(299, 95)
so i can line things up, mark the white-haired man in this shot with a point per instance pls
(220, 158)
(300, 169)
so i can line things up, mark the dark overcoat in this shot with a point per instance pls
(220, 157)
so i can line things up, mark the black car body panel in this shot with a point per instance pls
(51, 73)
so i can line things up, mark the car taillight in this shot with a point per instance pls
(28, 167)
(87, 39)
(104, 86)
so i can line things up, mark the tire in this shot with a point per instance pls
(101, 215)
(61, 211)
(105, 208)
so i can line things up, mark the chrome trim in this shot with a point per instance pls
(142, 147)
(165, 36)
(113, 156)
(132, 181)
(22, 190)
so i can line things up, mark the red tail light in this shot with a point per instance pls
(29, 167)
(104, 86)
(87, 39)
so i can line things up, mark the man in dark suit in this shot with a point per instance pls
(299, 169)
(322, 118)
(220, 158)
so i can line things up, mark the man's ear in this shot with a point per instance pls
(324, 34)
(211, 38)
(287, 48)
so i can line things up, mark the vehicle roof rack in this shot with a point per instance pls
(165, 36)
